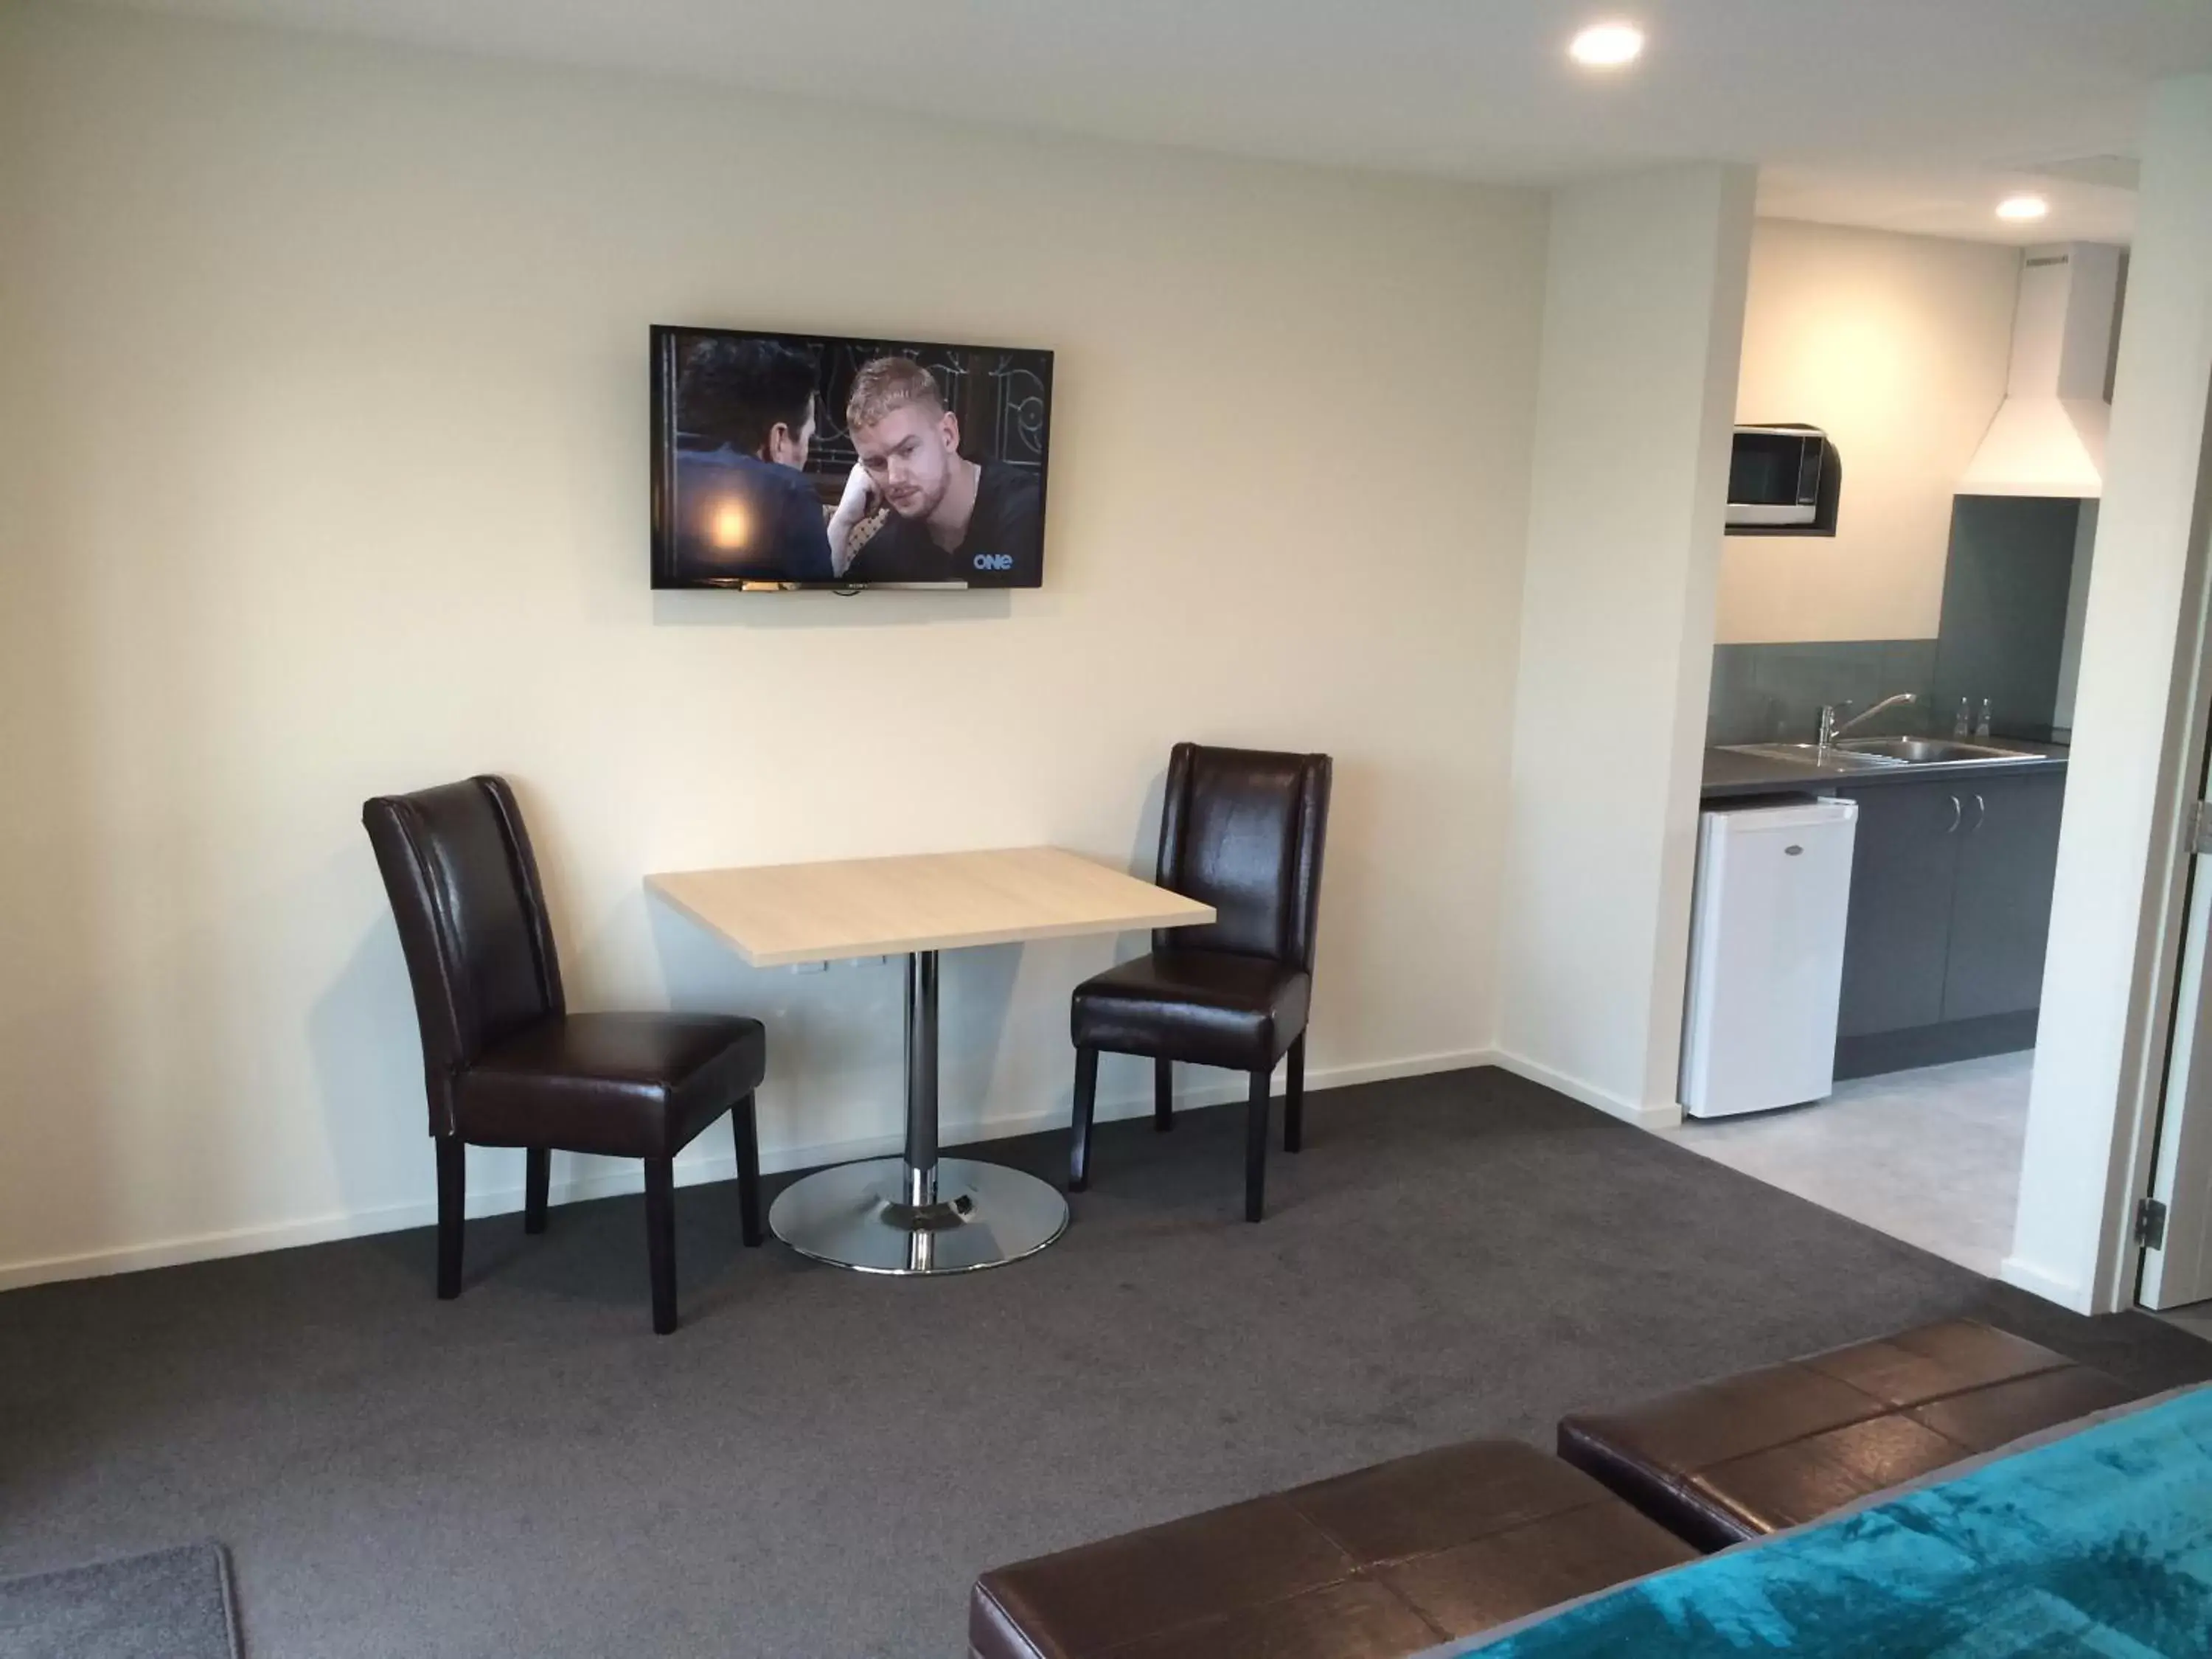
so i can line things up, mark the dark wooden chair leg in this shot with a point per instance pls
(746, 1124)
(1162, 1095)
(660, 1240)
(1255, 1147)
(1294, 1097)
(1079, 1130)
(536, 1179)
(453, 1172)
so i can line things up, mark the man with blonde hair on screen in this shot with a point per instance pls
(951, 519)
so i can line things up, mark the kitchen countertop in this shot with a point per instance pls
(1729, 774)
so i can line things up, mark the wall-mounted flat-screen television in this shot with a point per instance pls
(806, 460)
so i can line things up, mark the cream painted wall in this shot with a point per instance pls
(1897, 346)
(1643, 317)
(323, 426)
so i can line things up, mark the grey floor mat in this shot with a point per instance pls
(171, 1604)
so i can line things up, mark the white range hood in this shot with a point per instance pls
(2048, 438)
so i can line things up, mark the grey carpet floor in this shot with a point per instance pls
(819, 1462)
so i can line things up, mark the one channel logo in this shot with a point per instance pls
(994, 561)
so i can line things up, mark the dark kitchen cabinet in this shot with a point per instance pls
(1950, 912)
(1897, 941)
(1949, 901)
(2001, 906)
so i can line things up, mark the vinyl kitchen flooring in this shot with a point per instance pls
(1931, 1157)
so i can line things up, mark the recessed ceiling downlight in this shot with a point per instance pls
(2021, 209)
(1607, 45)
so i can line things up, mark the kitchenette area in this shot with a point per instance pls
(1912, 517)
(1948, 900)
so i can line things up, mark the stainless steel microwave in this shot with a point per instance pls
(1774, 476)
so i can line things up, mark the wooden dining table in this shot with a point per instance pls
(918, 1213)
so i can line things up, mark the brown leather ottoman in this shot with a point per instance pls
(1753, 1454)
(1379, 1563)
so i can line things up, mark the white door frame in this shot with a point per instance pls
(2172, 1266)
(2118, 919)
(2160, 1081)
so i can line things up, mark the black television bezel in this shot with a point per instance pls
(662, 367)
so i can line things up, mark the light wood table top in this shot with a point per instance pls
(779, 914)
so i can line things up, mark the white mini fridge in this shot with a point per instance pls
(1767, 956)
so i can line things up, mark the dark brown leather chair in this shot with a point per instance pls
(1241, 830)
(504, 1061)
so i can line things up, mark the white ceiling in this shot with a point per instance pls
(1911, 114)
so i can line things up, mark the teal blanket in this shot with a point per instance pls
(2099, 1543)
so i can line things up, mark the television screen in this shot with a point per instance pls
(808, 460)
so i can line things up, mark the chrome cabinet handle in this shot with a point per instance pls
(1957, 813)
(1981, 812)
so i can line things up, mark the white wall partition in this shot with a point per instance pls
(2138, 713)
(1643, 326)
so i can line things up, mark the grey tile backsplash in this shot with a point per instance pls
(2006, 585)
(2005, 591)
(1766, 693)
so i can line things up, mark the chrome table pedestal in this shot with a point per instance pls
(919, 1214)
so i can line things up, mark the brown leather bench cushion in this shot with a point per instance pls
(1377, 1563)
(1753, 1454)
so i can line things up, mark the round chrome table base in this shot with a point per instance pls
(919, 1214)
(856, 1216)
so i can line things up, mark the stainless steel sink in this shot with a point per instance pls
(1929, 751)
(1859, 754)
(1811, 754)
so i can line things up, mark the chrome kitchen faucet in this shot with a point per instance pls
(1830, 731)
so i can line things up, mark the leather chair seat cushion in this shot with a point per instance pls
(1384, 1562)
(1774, 1447)
(628, 1085)
(1209, 1007)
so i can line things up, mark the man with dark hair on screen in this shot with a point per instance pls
(950, 519)
(745, 412)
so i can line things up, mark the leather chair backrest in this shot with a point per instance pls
(464, 887)
(1242, 830)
